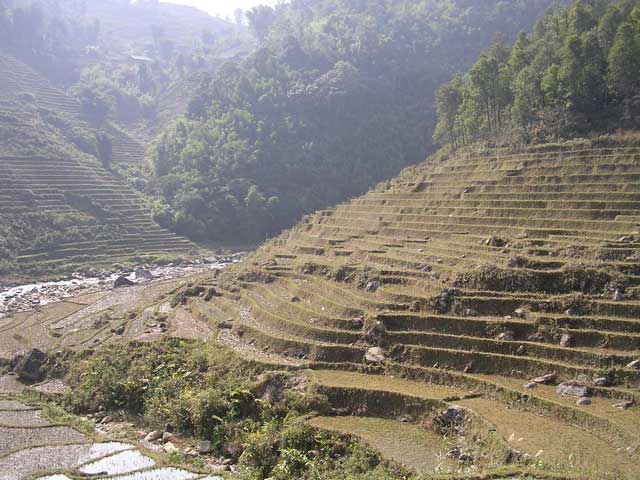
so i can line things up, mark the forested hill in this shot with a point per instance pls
(338, 97)
(60, 36)
(577, 74)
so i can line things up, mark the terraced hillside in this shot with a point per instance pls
(478, 272)
(19, 82)
(59, 208)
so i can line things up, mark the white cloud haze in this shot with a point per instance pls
(222, 8)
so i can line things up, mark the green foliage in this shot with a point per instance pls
(126, 92)
(338, 97)
(207, 391)
(578, 72)
(104, 148)
(624, 61)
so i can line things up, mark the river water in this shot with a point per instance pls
(27, 297)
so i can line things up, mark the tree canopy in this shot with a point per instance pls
(337, 97)
(578, 72)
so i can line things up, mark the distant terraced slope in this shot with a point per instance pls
(479, 271)
(59, 208)
(19, 81)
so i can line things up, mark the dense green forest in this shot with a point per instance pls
(338, 97)
(577, 73)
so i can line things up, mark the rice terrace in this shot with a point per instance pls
(320, 239)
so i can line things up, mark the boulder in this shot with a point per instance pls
(29, 368)
(451, 417)
(530, 385)
(635, 365)
(495, 242)
(119, 331)
(583, 401)
(624, 405)
(520, 313)
(122, 281)
(546, 379)
(505, 337)
(618, 296)
(211, 292)
(153, 436)
(454, 453)
(143, 274)
(295, 300)
(566, 340)
(521, 350)
(443, 302)
(168, 437)
(517, 262)
(170, 448)
(374, 333)
(372, 286)
(375, 355)
(573, 389)
(601, 382)
(204, 447)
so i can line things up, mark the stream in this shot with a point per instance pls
(30, 296)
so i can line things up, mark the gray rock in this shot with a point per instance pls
(205, 447)
(521, 350)
(452, 416)
(153, 436)
(583, 401)
(375, 355)
(520, 313)
(573, 389)
(625, 405)
(546, 379)
(374, 333)
(635, 365)
(618, 296)
(601, 382)
(453, 453)
(566, 340)
(295, 300)
(372, 286)
(531, 385)
(29, 368)
(168, 437)
(170, 448)
(122, 282)
(505, 337)
(143, 274)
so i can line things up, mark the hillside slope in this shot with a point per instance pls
(480, 271)
(59, 208)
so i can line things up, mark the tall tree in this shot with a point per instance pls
(624, 62)
(260, 20)
(449, 99)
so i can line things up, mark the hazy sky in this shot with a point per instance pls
(222, 7)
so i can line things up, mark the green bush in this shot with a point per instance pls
(207, 391)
